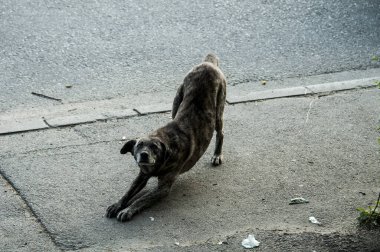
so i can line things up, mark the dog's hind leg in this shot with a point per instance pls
(220, 101)
(177, 101)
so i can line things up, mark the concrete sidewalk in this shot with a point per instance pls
(57, 182)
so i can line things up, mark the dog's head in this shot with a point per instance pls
(149, 153)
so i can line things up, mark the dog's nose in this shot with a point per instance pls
(144, 156)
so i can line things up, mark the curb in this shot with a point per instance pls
(153, 109)
(87, 118)
(30, 124)
(73, 120)
(22, 125)
(267, 94)
(320, 89)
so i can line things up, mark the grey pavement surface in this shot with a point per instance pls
(110, 63)
(108, 49)
(321, 148)
(19, 229)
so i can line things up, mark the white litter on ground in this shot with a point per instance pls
(250, 242)
(314, 220)
(298, 201)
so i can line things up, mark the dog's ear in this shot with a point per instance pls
(128, 147)
(165, 151)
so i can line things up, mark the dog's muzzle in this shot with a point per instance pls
(144, 159)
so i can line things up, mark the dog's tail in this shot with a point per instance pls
(212, 58)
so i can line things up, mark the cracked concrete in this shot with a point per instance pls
(308, 112)
(69, 176)
(19, 229)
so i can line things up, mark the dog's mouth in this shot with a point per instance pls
(145, 163)
(145, 167)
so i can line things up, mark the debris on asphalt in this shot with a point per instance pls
(124, 137)
(176, 243)
(45, 96)
(151, 218)
(68, 86)
(313, 220)
(263, 82)
(250, 242)
(222, 242)
(298, 200)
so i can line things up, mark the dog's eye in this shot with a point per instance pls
(153, 147)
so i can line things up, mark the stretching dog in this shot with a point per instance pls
(175, 148)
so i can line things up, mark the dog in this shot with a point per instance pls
(171, 150)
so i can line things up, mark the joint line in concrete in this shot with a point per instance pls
(30, 209)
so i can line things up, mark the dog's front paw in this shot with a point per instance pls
(217, 160)
(125, 214)
(113, 210)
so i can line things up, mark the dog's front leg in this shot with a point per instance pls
(146, 200)
(138, 184)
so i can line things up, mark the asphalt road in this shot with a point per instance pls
(107, 49)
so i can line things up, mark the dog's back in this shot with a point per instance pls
(199, 101)
(200, 88)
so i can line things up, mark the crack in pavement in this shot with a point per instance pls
(29, 208)
(308, 112)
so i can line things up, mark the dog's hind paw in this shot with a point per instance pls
(217, 160)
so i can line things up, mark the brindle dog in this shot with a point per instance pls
(175, 148)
